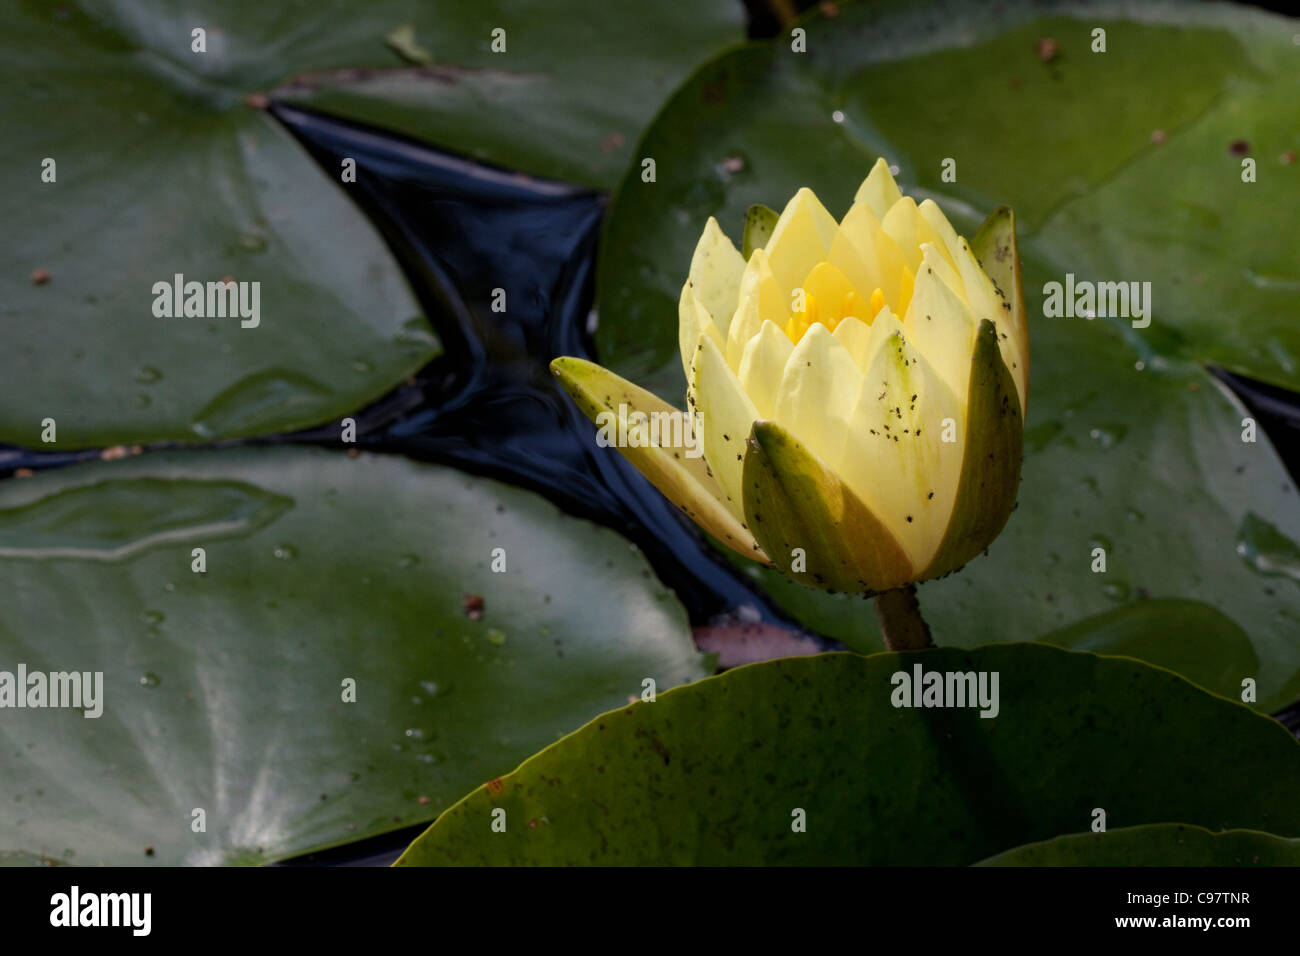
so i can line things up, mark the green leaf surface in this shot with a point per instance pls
(568, 96)
(223, 690)
(1208, 646)
(1161, 844)
(1128, 445)
(714, 773)
(163, 169)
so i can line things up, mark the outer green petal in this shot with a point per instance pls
(792, 500)
(759, 223)
(990, 469)
(995, 248)
(683, 480)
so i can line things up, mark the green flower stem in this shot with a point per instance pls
(901, 623)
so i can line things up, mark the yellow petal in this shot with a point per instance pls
(896, 459)
(991, 456)
(801, 238)
(832, 290)
(818, 390)
(761, 298)
(878, 191)
(885, 325)
(943, 270)
(716, 268)
(727, 414)
(906, 285)
(682, 479)
(846, 257)
(987, 304)
(950, 242)
(693, 320)
(867, 256)
(939, 326)
(794, 500)
(909, 230)
(853, 333)
(763, 366)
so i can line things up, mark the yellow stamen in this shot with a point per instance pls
(877, 302)
(800, 322)
(849, 305)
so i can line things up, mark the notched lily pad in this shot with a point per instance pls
(320, 681)
(812, 761)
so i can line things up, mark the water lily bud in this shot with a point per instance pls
(861, 387)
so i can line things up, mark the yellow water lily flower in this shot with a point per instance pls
(860, 388)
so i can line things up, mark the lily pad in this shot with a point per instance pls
(563, 89)
(1129, 445)
(223, 690)
(1208, 647)
(807, 761)
(1161, 844)
(162, 169)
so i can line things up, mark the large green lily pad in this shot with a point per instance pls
(1129, 445)
(163, 170)
(715, 773)
(1161, 844)
(1208, 647)
(223, 690)
(568, 97)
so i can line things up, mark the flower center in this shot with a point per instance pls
(850, 304)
